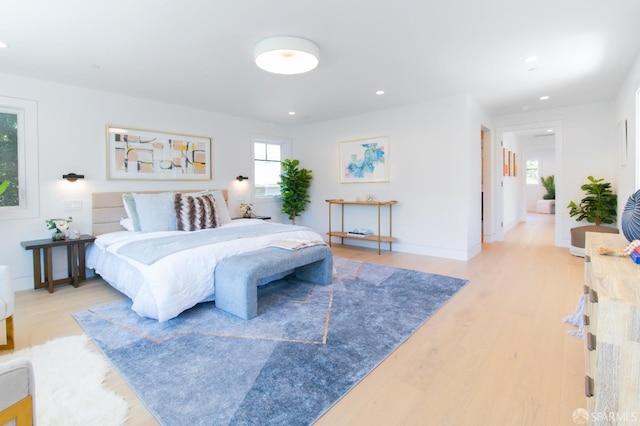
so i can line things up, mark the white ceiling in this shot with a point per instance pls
(199, 53)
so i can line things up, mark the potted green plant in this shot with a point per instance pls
(599, 207)
(294, 188)
(549, 185)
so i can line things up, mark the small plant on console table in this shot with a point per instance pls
(246, 209)
(60, 225)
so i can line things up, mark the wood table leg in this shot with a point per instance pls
(37, 270)
(81, 261)
(48, 268)
(74, 257)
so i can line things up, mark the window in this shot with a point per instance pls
(18, 158)
(533, 177)
(268, 154)
(9, 182)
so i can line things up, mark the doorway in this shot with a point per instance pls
(511, 191)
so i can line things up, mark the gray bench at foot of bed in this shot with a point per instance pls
(237, 277)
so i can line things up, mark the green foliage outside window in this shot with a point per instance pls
(9, 160)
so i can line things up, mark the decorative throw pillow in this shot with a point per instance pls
(130, 208)
(194, 212)
(221, 205)
(155, 212)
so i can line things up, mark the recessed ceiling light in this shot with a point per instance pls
(530, 59)
(544, 98)
(3, 45)
(379, 92)
(549, 130)
(292, 113)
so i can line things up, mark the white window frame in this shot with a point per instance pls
(27, 112)
(285, 152)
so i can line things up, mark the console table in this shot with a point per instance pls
(376, 237)
(75, 261)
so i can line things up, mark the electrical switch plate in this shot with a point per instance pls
(72, 204)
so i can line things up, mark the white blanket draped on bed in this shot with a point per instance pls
(180, 280)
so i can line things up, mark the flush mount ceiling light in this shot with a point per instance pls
(286, 55)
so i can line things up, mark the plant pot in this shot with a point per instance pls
(578, 237)
(58, 235)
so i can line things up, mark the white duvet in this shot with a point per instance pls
(176, 282)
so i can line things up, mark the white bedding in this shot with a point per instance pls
(179, 281)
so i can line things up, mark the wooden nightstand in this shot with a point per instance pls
(75, 261)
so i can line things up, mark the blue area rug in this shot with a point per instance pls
(308, 346)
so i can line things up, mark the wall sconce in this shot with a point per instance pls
(241, 178)
(72, 177)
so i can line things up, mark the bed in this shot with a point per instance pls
(166, 270)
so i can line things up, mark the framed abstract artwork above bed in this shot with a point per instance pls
(142, 154)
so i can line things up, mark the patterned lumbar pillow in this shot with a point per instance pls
(195, 212)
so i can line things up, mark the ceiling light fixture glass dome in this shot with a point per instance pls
(286, 55)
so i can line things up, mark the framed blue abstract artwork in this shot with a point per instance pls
(364, 160)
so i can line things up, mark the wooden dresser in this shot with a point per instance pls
(611, 333)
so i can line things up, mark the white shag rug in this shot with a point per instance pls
(69, 384)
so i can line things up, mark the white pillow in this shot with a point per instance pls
(156, 212)
(127, 223)
(221, 208)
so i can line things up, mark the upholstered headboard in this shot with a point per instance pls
(107, 209)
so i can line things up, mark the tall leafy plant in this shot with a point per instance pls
(294, 188)
(550, 185)
(600, 206)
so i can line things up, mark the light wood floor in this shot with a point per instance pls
(496, 354)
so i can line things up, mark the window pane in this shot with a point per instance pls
(9, 160)
(267, 173)
(273, 152)
(260, 151)
(532, 172)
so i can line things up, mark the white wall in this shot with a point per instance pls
(512, 190)
(585, 146)
(435, 174)
(626, 109)
(72, 138)
(477, 118)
